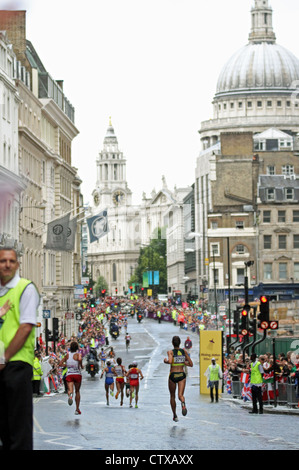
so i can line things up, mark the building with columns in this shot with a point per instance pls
(249, 150)
(131, 227)
(49, 185)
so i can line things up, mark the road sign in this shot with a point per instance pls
(273, 325)
(244, 332)
(46, 313)
(264, 325)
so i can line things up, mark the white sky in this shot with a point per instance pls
(152, 65)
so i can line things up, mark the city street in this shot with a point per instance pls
(207, 426)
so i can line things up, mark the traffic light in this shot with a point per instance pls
(244, 320)
(103, 292)
(55, 329)
(252, 326)
(116, 290)
(142, 291)
(236, 322)
(264, 315)
(92, 303)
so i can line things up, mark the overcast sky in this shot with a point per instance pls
(152, 65)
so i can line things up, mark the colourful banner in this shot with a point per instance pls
(211, 345)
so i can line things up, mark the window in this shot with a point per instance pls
(267, 242)
(268, 271)
(240, 104)
(240, 249)
(215, 249)
(269, 104)
(266, 217)
(240, 275)
(281, 216)
(270, 170)
(288, 104)
(288, 170)
(249, 104)
(239, 224)
(232, 105)
(279, 104)
(214, 224)
(289, 194)
(295, 216)
(215, 276)
(259, 104)
(282, 270)
(270, 194)
(296, 241)
(282, 242)
(296, 271)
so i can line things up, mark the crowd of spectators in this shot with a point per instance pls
(93, 331)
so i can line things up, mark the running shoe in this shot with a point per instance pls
(116, 396)
(111, 393)
(136, 406)
(77, 412)
(70, 400)
(184, 409)
(175, 419)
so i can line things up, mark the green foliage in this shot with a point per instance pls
(152, 258)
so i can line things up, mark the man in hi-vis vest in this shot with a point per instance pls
(256, 381)
(214, 374)
(17, 337)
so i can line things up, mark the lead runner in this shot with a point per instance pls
(177, 358)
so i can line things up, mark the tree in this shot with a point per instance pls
(100, 285)
(152, 258)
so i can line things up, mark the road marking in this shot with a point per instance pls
(146, 376)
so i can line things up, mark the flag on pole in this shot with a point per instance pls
(244, 378)
(98, 226)
(246, 392)
(57, 234)
(71, 234)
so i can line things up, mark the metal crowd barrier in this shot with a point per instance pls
(287, 393)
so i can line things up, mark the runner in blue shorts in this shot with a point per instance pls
(109, 380)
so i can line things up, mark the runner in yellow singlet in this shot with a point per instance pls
(177, 358)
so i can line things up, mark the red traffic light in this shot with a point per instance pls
(244, 313)
(103, 291)
(263, 299)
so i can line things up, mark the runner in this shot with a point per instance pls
(134, 374)
(127, 338)
(103, 358)
(120, 380)
(73, 361)
(177, 358)
(127, 383)
(109, 380)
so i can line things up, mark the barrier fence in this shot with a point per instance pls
(286, 393)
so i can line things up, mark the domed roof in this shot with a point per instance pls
(259, 67)
(262, 65)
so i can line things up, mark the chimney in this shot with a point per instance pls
(14, 23)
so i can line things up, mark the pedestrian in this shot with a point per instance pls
(214, 374)
(73, 361)
(188, 343)
(37, 374)
(177, 358)
(17, 334)
(256, 380)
